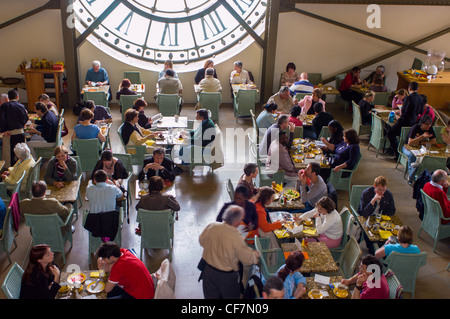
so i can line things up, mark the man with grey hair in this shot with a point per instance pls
(223, 249)
(283, 99)
(273, 132)
(97, 76)
(209, 83)
(3, 98)
(239, 75)
(437, 189)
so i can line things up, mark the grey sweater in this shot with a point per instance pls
(70, 173)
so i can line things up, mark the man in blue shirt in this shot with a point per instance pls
(97, 76)
(102, 194)
(101, 114)
(302, 86)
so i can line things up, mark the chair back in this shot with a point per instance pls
(431, 163)
(377, 137)
(79, 169)
(417, 64)
(137, 152)
(344, 183)
(157, 228)
(33, 176)
(403, 136)
(266, 178)
(315, 78)
(99, 97)
(126, 160)
(7, 238)
(338, 79)
(350, 257)
(88, 150)
(432, 214)
(269, 263)
(298, 132)
(395, 287)
(245, 102)
(47, 152)
(133, 76)
(300, 96)
(406, 267)
(127, 102)
(381, 98)
(168, 104)
(12, 284)
(357, 120)
(211, 102)
(355, 198)
(230, 189)
(324, 132)
(256, 132)
(437, 132)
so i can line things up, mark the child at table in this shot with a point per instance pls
(398, 98)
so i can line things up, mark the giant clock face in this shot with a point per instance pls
(145, 33)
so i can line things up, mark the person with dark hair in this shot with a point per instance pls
(87, 130)
(61, 168)
(44, 134)
(40, 279)
(427, 109)
(124, 89)
(311, 186)
(144, 121)
(129, 278)
(398, 99)
(209, 64)
(273, 288)
(351, 80)
(264, 198)
(378, 73)
(44, 98)
(321, 119)
(282, 99)
(13, 117)
(133, 133)
(290, 76)
(308, 101)
(102, 195)
(266, 118)
(223, 250)
(294, 117)
(412, 107)
(273, 132)
(101, 114)
(402, 245)
(336, 136)
(41, 205)
(366, 107)
(377, 84)
(113, 168)
(169, 84)
(279, 158)
(155, 200)
(293, 281)
(328, 222)
(158, 165)
(420, 134)
(251, 171)
(370, 269)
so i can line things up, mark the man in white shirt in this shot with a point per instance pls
(239, 75)
(209, 83)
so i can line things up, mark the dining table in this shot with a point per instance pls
(327, 291)
(87, 280)
(291, 203)
(379, 230)
(305, 151)
(66, 194)
(87, 88)
(139, 88)
(436, 150)
(172, 122)
(237, 87)
(383, 113)
(140, 189)
(176, 136)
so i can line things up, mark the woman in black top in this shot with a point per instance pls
(41, 278)
(113, 167)
(336, 137)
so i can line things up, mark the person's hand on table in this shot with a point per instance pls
(153, 166)
(58, 184)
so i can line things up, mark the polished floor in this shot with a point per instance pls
(202, 195)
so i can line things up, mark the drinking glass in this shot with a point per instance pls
(428, 147)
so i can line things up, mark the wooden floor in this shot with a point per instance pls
(202, 195)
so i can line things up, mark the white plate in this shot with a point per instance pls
(99, 288)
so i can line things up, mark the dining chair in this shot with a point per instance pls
(47, 152)
(431, 163)
(339, 100)
(355, 198)
(88, 150)
(12, 188)
(127, 162)
(344, 183)
(406, 267)
(300, 96)
(315, 78)
(432, 220)
(298, 132)
(138, 152)
(402, 158)
(157, 229)
(349, 258)
(7, 237)
(211, 102)
(244, 102)
(357, 125)
(211, 155)
(381, 98)
(269, 263)
(127, 102)
(324, 132)
(377, 137)
(395, 287)
(265, 177)
(99, 97)
(133, 76)
(46, 229)
(347, 223)
(33, 176)
(168, 104)
(12, 283)
(230, 189)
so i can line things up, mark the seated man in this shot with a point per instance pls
(44, 134)
(40, 205)
(273, 131)
(403, 244)
(437, 189)
(321, 119)
(96, 76)
(278, 158)
(283, 100)
(101, 114)
(169, 85)
(302, 86)
(157, 165)
(273, 288)
(377, 199)
(102, 194)
(210, 83)
(311, 186)
(419, 134)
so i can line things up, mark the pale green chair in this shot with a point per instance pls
(406, 267)
(244, 102)
(268, 267)
(344, 183)
(355, 198)
(395, 287)
(127, 162)
(402, 158)
(33, 176)
(361, 129)
(437, 132)
(209, 154)
(315, 78)
(381, 98)
(13, 282)
(133, 76)
(13, 188)
(265, 177)
(138, 152)
(300, 96)
(157, 229)
(298, 132)
(78, 203)
(339, 100)
(211, 102)
(431, 163)
(127, 102)
(46, 229)
(347, 223)
(99, 97)
(230, 189)
(88, 150)
(377, 138)
(168, 104)
(349, 258)
(7, 237)
(431, 222)
(324, 132)
(47, 152)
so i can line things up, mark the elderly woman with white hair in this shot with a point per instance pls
(12, 175)
(96, 76)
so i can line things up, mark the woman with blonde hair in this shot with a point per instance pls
(60, 168)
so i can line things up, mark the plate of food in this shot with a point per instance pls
(292, 193)
(76, 276)
(387, 225)
(95, 287)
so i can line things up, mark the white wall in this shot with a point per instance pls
(313, 45)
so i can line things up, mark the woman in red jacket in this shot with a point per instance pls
(351, 80)
(265, 197)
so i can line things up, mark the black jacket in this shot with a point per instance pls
(320, 120)
(387, 205)
(412, 107)
(166, 173)
(103, 224)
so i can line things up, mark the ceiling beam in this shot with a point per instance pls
(51, 4)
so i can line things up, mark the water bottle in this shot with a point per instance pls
(391, 117)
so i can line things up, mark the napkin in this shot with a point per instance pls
(281, 233)
(309, 231)
(384, 234)
(94, 274)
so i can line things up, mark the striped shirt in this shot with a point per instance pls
(302, 86)
(102, 197)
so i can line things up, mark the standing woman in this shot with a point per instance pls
(202, 72)
(41, 278)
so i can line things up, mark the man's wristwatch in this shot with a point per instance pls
(359, 287)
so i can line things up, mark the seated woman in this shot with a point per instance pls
(295, 113)
(309, 100)
(328, 222)
(378, 84)
(266, 118)
(168, 64)
(398, 98)
(155, 200)
(25, 161)
(113, 168)
(345, 154)
(41, 277)
(265, 197)
(427, 110)
(144, 121)
(124, 89)
(294, 281)
(250, 172)
(402, 245)
(60, 168)
(201, 73)
(133, 133)
(290, 76)
(351, 80)
(86, 130)
(44, 98)
(336, 136)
